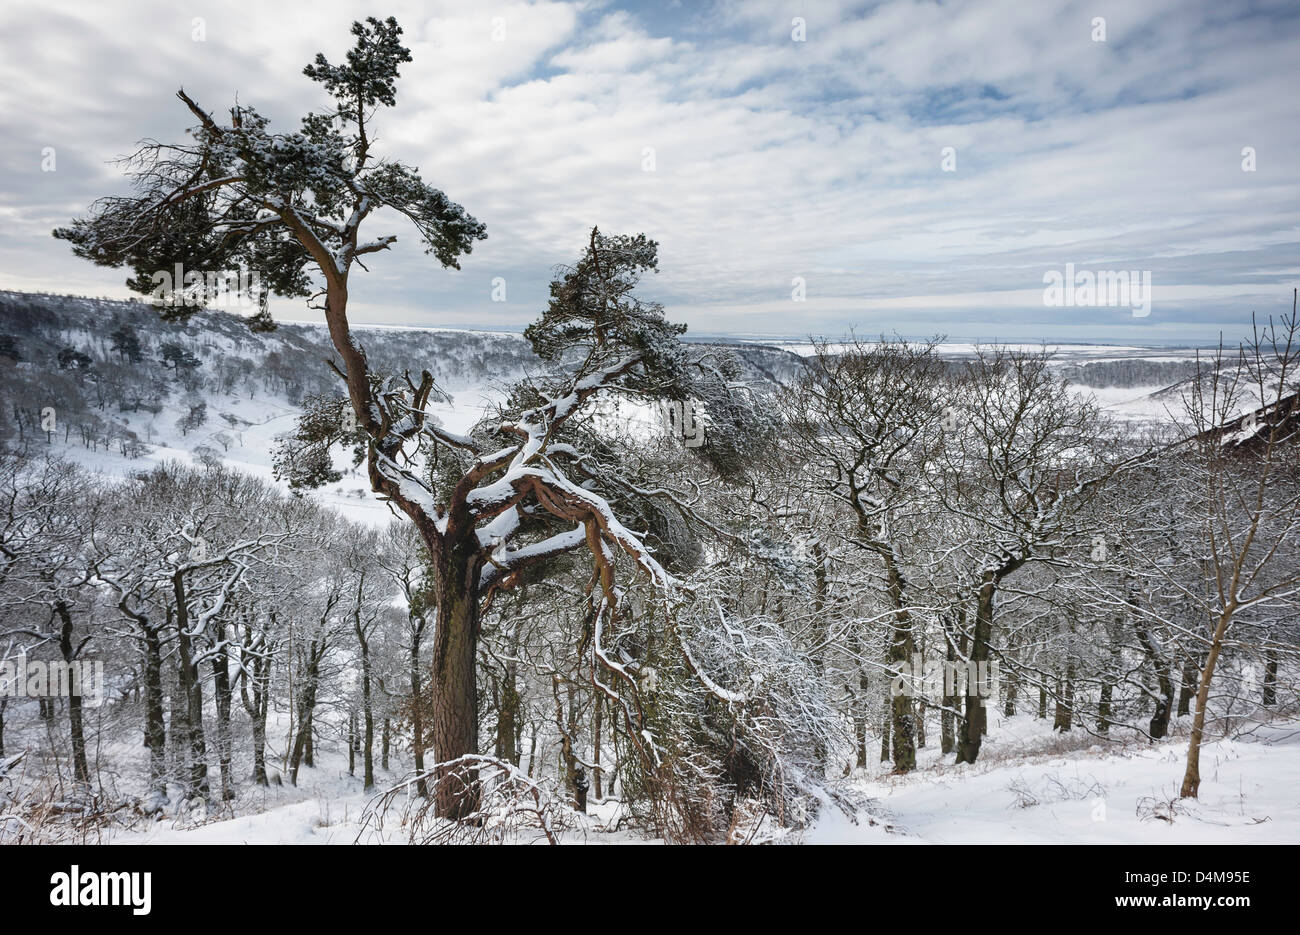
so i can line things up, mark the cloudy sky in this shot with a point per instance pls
(762, 143)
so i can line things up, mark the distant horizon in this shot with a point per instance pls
(704, 337)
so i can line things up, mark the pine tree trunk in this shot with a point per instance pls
(507, 714)
(453, 682)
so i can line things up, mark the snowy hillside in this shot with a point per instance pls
(1032, 787)
(768, 559)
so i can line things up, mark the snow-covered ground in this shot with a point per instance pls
(245, 441)
(1030, 786)
(1135, 405)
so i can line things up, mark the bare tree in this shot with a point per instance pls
(1245, 467)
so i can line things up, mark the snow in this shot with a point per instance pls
(1029, 787)
(260, 419)
(963, 349)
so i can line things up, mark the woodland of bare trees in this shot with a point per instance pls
(798, 612)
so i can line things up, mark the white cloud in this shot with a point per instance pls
(773, 158)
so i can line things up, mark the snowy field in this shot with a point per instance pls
(1062, 352)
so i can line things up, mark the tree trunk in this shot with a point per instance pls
(453, 682)
(1103, 707)
(1065, 701)
(155, 731)
(1269, 697)
(352, 743)
(1012, 693)
(1192, 776)
(507, 715)
(1187, 691)
(367, 711)
(80, 768)
(971, 732)
(860, 730)
(259, 751)
(417, 718)
(902, 646)
(255, 705)
(309, 740)
(192, 688)
(178, 734)
(1164, 702)
(595, 734)
(306, 705)
(222, 690)
(947, 720)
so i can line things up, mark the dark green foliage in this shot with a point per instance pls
(177, 358)
(126, 343)
(240, 197)
(370, 76)
(303, 459)
(595, 318)
(70, 357)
